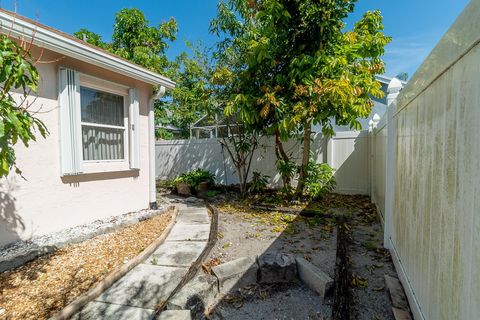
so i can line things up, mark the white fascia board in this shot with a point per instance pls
(59, 43)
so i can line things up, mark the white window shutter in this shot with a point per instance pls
(134, 130)
(70, 122)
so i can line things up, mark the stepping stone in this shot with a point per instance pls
(177, 253)
(193, 216)
(276, 268)
(202, 288)
(189, 232)
(174, 315)
(144, 286)
(106, 311)
(399, 300)
(313, 277)
(236, 274)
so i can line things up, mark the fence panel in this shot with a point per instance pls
(350, 159)
(436, 207)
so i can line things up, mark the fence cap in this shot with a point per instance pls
(395, 86)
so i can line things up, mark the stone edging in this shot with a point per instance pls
(115, 275)
(212, 239)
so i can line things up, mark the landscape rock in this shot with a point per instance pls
(401, 314)
(399, 300)
(236, 274)
(277, 268)
(313, 277)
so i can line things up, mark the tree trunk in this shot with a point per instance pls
(281, 155)
(307, 132)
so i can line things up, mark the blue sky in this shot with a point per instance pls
(415, 25)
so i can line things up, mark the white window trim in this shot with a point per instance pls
(126, 146)
(72, 162)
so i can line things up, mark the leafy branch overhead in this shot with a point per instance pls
(18, 78)
(135, 40)
(288, 65)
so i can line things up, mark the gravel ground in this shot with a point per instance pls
(44, 286)
(290, 302)
(20, 252)
(243, 232)
(369, 263)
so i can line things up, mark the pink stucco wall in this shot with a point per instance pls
(46, 202)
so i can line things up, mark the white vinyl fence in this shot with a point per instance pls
(419, 164)
(347, 152)
(427, 176)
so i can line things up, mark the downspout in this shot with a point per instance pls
(151, 147)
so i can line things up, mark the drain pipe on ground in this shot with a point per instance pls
(151, 147)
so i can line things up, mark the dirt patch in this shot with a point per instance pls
(369, 262)
(244, 231)
(247, 231)
(44, 286)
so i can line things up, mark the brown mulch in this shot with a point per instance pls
(44, 286)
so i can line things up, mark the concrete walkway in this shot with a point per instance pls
(136, 295)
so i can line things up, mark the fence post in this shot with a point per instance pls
(394, 89)
(372, 125)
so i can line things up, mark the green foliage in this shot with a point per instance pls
(195, 177)
(286, 169)
(402, 76)
(192, 97)
(258, 183)
(212, 193)
(285, 65)
(133, 39)
(320, 180)
(92, 38)
(167, 184)
(17, 73)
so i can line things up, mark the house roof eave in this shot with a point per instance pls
(57, 41)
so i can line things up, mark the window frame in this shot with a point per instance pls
(98, 84)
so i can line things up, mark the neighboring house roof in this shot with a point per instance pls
(169, 127)
(63, 43)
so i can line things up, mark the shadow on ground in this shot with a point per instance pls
(247, 231)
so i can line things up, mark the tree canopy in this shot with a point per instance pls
(289, 64)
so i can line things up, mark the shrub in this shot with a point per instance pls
(319, 181)
(258, 183)
(195, 177)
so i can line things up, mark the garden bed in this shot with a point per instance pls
(44, 286)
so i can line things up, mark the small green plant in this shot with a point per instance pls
(287, 170)
(154, 260)
(319, 181)
(166, 184)
(258, 183)
(212, 193)
(195, 177)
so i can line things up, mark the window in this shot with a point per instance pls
(103, 124)
(99, 129)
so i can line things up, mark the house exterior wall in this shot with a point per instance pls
(44, 201)
(436, 215)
